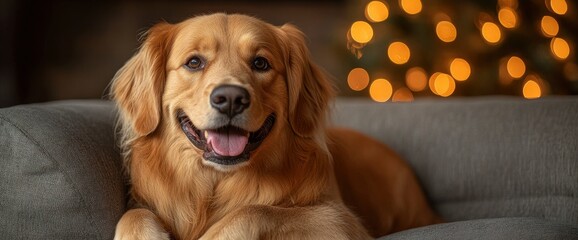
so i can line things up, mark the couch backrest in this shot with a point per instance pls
(482, 157)
(60, 171)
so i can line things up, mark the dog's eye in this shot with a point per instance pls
(195, 63)
(261, 64)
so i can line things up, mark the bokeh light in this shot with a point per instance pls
(549, 26)
(559, 7)
(516, 67)
(358, 79)
(380, 90)
(416, 79)
(560, 48)
(460, 69)
(398, 52)
(376, 11)
(446, 31)
(402, 95)
(491, 32)
(411, 6)
(361, 32)
(532, 88)
(508, 17)
(442, 84)
(499, 47)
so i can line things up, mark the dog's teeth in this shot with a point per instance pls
(206, 134)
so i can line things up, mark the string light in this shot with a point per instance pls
(411, 7)
(491, 32)
(402, 95)
(516, 67)
(559, 7)
(376, 11)
(442, 84)
(504, 26)
(446, 31)
(560, 48)
(358, 79)
(361, 32)
(531, 88)
(508, 17)
(416, 79)
(398, 53)
(549, 26)
(380, 90)
(460, 69)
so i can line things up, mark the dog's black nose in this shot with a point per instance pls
(230, 100)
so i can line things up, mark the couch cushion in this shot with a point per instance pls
(483, 157)
(60, 172)
(494, 229)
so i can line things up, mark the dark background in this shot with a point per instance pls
(71, 49)
(67, 49)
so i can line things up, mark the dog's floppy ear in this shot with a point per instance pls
(138, 86)
(310, 90)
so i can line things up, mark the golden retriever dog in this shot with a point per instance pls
(223, 132)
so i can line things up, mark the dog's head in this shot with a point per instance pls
(227, 83)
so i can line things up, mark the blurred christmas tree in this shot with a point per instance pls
(409, 48)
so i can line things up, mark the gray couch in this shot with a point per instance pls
(493, 167)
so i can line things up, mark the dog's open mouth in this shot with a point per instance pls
(227, 145)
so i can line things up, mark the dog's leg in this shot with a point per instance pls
(140, 224)
(328, 221)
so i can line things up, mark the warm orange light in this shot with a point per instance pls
(402, 95)
(508, 17)
(380, 90)
(361, 32)
(560, 48)
(531, 88)
(446, 31)
(516, 67)
(398, 52)
(442, 84)
(416, 79)
(460, 69)
(376, 11)
(411, 6)
(358, 79)
(559, 7)
(549, 26)
(491, 32)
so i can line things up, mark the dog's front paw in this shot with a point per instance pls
(244, 223)
(234, 232)
(140, 224)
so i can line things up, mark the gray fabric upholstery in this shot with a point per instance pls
(483, 157)
(509, 162)
(492, 229)
(60, 172)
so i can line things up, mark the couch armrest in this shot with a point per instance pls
(484, 157)
(60, 171)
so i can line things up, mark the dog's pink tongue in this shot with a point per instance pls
(227, 143)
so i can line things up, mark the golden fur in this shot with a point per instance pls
(287, 188)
